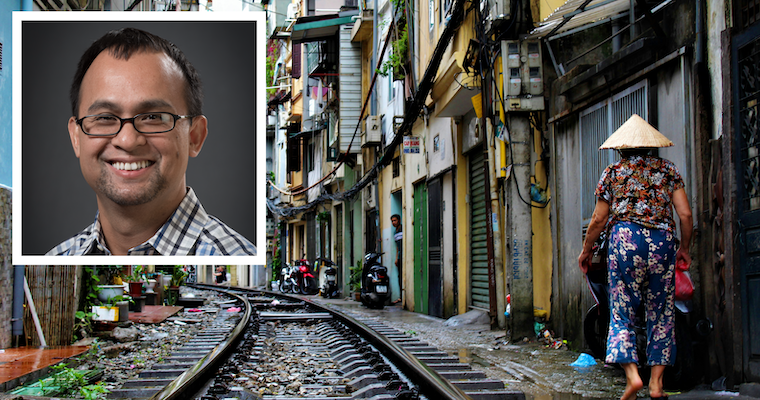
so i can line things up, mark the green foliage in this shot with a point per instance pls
(89, 298)
(270, 176)
(178, 276)
(355, 278)
(83, 324)
(271, 60)
(273, 54)
(136, 275)
(323, 216)
(111, 302)
(399, 55)
(93, 392)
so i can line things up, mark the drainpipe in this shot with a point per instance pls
(617, 40)
(17, 316)
(632, 21)
(373, 60)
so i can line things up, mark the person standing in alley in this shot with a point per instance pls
(220, 275)
(637, 195)
(397, 237)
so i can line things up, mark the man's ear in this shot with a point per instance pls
(198, 133)
(74, 135)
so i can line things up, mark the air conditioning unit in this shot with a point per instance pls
(499, 11)
(372, 132)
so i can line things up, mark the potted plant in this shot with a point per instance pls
(135, 280)
(114, 309)
(177, 279)
(111, 276)
(355, 280)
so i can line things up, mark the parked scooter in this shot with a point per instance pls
(306, 282)
(330, 288)
(375, 288)
(287, 279)
(596, 325)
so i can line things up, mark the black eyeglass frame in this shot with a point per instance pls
(132, 120)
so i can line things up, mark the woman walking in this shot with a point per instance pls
(635, 198)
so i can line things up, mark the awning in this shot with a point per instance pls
(313, 28)
(279, 98)
(577, 13)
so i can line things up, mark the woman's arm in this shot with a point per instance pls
(595, 228)
(683, 209)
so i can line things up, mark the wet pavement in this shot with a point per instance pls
(22, 362)
(539, 371)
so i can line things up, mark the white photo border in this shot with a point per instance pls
(260, 128)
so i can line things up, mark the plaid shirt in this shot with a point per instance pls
(189, 231)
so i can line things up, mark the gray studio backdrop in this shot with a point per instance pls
(57, 202)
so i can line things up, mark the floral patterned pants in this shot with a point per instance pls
(641, 264)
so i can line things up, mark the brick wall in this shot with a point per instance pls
(6, 268)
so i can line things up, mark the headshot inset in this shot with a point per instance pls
(159, 156)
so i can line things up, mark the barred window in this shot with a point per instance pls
(749, 12)
(597, 123)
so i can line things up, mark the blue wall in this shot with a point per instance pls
(6, 83)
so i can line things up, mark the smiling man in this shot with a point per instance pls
(137, 118)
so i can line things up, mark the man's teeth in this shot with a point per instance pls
(131, 166)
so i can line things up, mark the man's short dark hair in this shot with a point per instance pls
(122, 44)
(398, 217)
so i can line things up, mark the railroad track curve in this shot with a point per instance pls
(285, 347)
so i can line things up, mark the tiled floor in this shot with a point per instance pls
(20, 361)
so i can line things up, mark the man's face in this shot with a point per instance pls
(132, 168)
(395, 222)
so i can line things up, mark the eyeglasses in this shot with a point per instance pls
(110, 125)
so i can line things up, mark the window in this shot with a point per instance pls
(749, 12)
(431, 14)
(436, 143)
(309, 155)
(397, 167)
(597, 123)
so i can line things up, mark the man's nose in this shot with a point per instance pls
(128, 138)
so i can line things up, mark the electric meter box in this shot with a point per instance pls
(523, 75)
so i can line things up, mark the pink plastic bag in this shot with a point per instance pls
(684, 285)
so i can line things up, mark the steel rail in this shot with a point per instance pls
(429, 382)
(185, 385)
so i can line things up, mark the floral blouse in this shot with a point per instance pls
(640, 189)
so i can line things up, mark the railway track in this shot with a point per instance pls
(283, 347)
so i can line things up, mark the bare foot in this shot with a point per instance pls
(633, 381)
(655, 381)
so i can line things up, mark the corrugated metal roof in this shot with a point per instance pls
(594, 10)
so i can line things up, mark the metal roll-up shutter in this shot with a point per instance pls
(478, 251)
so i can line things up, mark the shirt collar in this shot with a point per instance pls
(177, 236)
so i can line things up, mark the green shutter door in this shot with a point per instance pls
(421, 286)
(478, 252)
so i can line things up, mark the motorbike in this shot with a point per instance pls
(330, 288)
(287, 279)
(596, 323)
(306, 282)
(375, 283)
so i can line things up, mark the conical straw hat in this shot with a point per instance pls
(636, 133)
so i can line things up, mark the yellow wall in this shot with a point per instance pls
(463, 221)
(542, 241)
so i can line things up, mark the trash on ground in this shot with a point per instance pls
(584, 361)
